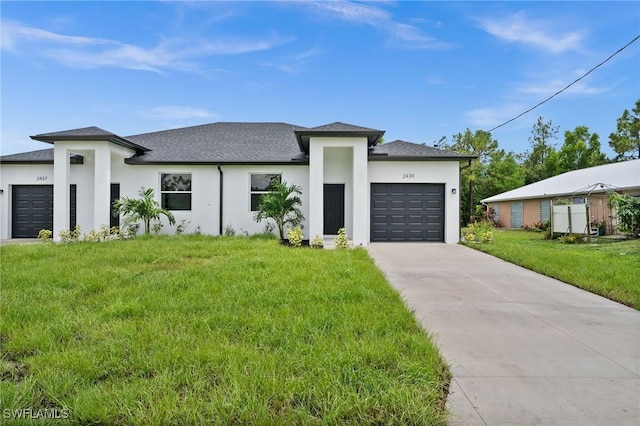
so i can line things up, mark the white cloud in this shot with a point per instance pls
(88, 52)
(401, 34)
(538, 33)
(489, 116)
(172, 112)
(294, 63)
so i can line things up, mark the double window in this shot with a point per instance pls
(175, 191)
(260, 185)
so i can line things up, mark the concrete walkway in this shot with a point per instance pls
(524, 349)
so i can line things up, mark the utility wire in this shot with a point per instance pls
(569, 85)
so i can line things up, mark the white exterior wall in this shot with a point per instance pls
(445, 172)
(205, 198)
(332, 160)
(42, 174)
(337, 169)
(237, 195)
(340, 160)
(204, 192)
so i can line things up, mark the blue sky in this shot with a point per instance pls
(419, 70)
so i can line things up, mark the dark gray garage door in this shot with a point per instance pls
(32, 210)
(407, 212)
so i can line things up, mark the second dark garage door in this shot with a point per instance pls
(407, 212)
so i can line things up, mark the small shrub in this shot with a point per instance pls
(479, 232)
(539, 226)
(198, 230)
(115, 231)
(342, 241)
(70, 235)
(182, 226)
(571, 239)
(157, 226)
(295, 237)
(229, 231)
(45, 234)
(317, 242)
(129, 231)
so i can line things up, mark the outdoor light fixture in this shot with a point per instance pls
(453, 190)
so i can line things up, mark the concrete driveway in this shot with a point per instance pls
(524, 349)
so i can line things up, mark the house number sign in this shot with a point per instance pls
(408, 176)
(40, 178)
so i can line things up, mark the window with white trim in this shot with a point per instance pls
(260, 185)
(175, 191)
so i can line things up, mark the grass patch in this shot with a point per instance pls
(195, 329)
(605, 266)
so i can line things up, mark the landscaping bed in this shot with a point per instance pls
(193, 329)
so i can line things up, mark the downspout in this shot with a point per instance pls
(221, 198)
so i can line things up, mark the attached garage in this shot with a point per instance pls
(32, 210)
(407, 212)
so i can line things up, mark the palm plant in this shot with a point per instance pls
(282, 205)
(145, 208)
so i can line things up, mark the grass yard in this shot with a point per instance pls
(204, 330)
(610, 268)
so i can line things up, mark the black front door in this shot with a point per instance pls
(115, 194)
(333, 208)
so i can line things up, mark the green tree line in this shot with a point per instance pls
(496, 170)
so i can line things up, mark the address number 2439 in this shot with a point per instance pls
(408, 176)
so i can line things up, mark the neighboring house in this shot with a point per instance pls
(532, 203)
(213, 176)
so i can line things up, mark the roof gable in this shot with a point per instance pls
(88, 134)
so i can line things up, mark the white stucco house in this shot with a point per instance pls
(213, 175)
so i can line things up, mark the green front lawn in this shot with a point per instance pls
(605, 266)
(204, 330)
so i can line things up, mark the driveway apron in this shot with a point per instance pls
(524, 349)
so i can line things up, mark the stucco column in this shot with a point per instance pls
(316, 189)
(101, 185)
(360, 195)
(61, 172)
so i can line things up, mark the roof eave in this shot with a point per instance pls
(92, 138)
(133, 161)
(378, 157)
(303, 136)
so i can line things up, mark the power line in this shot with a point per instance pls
(569, 85)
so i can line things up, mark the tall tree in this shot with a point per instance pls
(503, 173)
(481, 144)
(626, 140)
(581, 149)
(540, 163)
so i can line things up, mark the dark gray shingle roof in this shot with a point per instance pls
(239, 143)
(401, 150)
(92, 133)
(342, 127)
(222, 142)
(40, 156)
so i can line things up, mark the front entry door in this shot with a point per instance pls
(333, 208)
